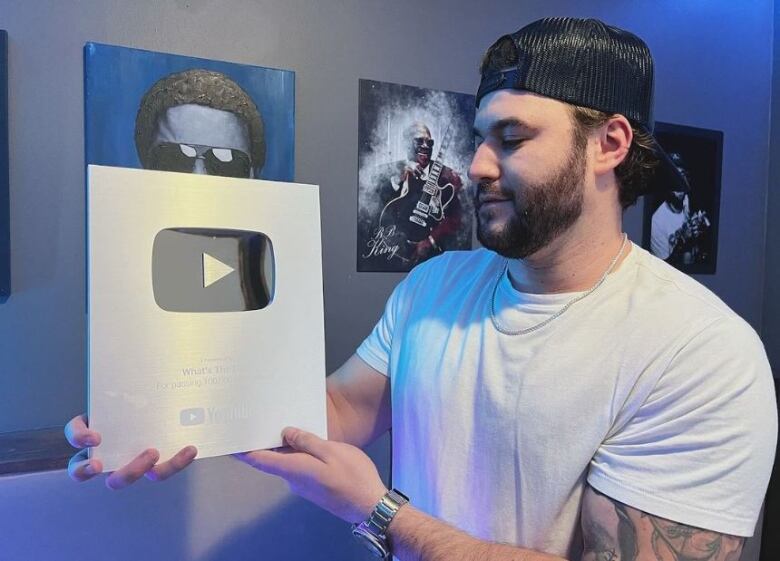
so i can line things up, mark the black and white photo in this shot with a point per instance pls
(682, 228)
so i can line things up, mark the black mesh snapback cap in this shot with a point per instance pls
(588, 63)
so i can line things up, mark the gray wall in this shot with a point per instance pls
(714, 63)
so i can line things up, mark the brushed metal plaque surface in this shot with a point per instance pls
(238, 353)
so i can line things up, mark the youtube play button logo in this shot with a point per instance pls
(192, 416)
(212, 270)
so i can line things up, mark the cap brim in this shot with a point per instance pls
(667, 176)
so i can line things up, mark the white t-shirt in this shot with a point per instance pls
(664, 223)
(650, 389)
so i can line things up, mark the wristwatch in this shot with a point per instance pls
(372, 533)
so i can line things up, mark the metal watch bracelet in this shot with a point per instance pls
(373, 532)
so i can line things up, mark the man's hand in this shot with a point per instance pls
(335, 476)
(411, 169)
(342, 479)
(80, 468)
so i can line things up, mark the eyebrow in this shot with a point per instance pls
(502, 124)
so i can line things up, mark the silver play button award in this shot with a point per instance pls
(205, 313)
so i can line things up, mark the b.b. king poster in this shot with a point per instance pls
(415, 147)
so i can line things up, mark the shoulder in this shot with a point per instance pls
(680, 343)
(699, 326)
(678, 295)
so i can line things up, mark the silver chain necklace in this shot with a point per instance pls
(569, 304)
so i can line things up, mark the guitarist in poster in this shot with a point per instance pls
(422, 212)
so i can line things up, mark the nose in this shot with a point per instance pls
(199, 167)
(484, 165)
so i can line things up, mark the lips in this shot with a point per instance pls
(487, 198)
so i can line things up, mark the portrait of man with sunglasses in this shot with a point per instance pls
(200, 121)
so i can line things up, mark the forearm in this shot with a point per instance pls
(415, 536)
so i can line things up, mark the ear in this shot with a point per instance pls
(614, 140)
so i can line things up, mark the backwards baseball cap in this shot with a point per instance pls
(587, 63)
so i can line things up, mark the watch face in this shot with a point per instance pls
(375, 544)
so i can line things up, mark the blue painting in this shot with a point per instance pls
(176, 113)
(5, 224)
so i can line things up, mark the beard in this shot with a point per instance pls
(543, 210)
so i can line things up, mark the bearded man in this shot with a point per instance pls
(559, 393)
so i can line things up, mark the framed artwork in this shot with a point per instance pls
(682, 228)
(5, 223)
(414, 149)
(176, 113)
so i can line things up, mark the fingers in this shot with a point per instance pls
(181, 460)
(80, 468)
(133, 471)
(306, 454)
(79, 434)
(307, 442)
(286, 464)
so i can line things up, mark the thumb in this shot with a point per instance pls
(303, 441)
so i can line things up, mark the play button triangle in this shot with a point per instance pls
(214, 269)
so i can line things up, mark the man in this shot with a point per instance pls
(674, 232)
(200, 121)
(668, 219)
(562, 393)
(424, 224)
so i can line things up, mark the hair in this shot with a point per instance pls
(200, 87)
(635, 172)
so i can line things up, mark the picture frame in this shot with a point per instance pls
(682, 228)
(170, 112)
(414, 150)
